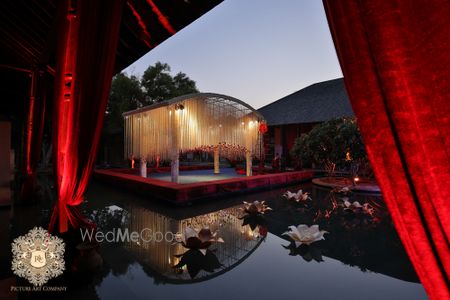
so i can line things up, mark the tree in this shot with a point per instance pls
(183, 85)
(159, 85)
(126, 94)
(335, 143)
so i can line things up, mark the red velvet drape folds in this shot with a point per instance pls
(395, 56)
(86, 56)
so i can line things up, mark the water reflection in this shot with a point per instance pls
(366, 241)
(357, 239)
(195, 261)
(163, 256)
(307, 252)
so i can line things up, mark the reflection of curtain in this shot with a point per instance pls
(395, 56)
(34, 132)
(88, 40)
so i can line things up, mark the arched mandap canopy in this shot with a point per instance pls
(204, 121)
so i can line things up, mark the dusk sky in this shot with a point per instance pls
(255, 50)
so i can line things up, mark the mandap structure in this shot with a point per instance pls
(207, 122)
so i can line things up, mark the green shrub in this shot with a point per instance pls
(333, 144)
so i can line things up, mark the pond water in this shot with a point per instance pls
(361, 256)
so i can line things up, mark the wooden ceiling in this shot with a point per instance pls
(28, 38)
(27, 28)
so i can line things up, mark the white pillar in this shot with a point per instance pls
(175, 168)
(175, 144)
(216, 161)
(248, 160)
(143, 167)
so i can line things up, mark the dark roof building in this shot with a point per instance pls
(299, 112)
(318, 102)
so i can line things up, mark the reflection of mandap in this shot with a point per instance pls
(373, 247)
(160, 258)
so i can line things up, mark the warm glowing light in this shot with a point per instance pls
(197, 124)
(179, 106)
(347, 156)
(263, 128)
(228, 221)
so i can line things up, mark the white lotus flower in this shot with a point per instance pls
(356, 207)
(256, 207)
(342, 190)
(352, 206)
(289, 195)
(299, 196)
(303, 234)
(345, 189)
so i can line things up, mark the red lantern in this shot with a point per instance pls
(263, 128)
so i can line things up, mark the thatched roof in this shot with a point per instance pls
(318, 102)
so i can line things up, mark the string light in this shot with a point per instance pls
(205, 123)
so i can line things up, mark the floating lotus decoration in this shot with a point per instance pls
(342, 190)
(299, 196)
(357, 208)
(305, 235)
(256, 207)
(254, 224)
(200, 240)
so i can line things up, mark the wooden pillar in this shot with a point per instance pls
(248, 161)
(216, 161)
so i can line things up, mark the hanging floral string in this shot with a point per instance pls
(192, 125)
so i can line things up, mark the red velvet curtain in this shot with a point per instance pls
(88, 41)
(395, 56)
(34, 132)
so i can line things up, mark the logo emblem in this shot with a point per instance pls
(38, 259)
(38, 256)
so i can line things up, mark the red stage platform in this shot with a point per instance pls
(185, 193)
